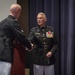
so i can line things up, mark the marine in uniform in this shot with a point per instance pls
(44, 41)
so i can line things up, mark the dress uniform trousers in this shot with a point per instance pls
(5, 68)
(46, 70)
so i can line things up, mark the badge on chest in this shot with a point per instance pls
(49, 34)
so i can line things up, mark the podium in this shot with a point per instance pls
(18, 67)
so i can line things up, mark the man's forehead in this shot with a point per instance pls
(40, 15)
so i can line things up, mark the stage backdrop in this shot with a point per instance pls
(61, 15)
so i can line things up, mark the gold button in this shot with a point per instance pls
(44, 43)
(42, 29)
(44, 38)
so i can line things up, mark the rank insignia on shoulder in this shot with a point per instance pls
(49, 34)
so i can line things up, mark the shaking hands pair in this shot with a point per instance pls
(32, 46)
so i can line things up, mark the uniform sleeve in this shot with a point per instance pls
(55, 46)
(55, 43)
(19, 34)
(31, 35)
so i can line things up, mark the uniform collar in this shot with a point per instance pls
(10, 16)
(42, 27)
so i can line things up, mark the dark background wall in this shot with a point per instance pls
(23, 20)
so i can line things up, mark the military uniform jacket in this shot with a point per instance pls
(9, 30)
(44, 41)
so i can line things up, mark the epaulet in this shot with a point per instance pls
(33, 27)
(50, 27)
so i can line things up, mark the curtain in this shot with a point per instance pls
(67, 25)
(61, 15)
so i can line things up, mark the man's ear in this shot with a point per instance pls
(45, 19)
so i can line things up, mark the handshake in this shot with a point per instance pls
(32, 46)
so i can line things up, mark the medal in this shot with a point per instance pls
(49, 34)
